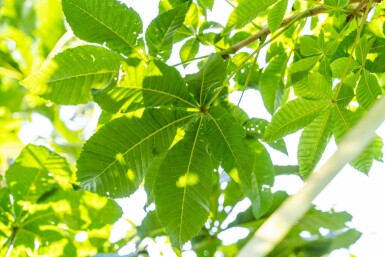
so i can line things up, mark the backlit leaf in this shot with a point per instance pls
(313, 141)
(70, 75)
(189, 50)
(246, 12)
(160, 33)
(227, 144)
(183, 186)
(209, 78)
(115, 160)
(271, 82)
(293, 116)
(146, 85)
(343, 66)
(314, 86)
(308, 46)
(92, 20)
(368, 90)
(277, 14)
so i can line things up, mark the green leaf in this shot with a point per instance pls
(206, 4)
(368, 90)
(276, 15)
(161, 31)
(227, 144)
(256, 128)
(261, 197)
(343, 121)
(343, 66)
(107, 22)
(209, 78)
(304, 64)
(313, 141)
(246, 12)
(6, 217)
(115, 160)
(362, 49)
(314, 86)
(183, 186)
(151, 226)
(146, 85)
(35, 172)
(271, 82)
(293, 116)
(189, 50)
(70, 75)
(77, 209)
(337, 3)
(308, 46)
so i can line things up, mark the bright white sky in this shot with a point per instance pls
(362, 196)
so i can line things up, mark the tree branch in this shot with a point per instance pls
(281, 221)
(266, 31)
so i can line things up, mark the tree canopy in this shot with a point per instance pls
(318, 66)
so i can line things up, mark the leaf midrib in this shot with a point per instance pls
(161, 92)
(103, 24)
(228, 145)
(188, 172)
(93, 180)
(81, 75)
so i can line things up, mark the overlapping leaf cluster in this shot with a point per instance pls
(175, 134)
(168, 124)
(39, 206)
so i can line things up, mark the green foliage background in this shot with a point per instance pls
(177, 135)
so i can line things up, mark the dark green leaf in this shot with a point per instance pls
(313, 141)
(115, 160)
(209, 78)
(271, 82)
(308, 46)
(227, 144)
(161, 31)
(151, 226)
(183, 186)
(92, 20)
(293, 116)
(146, 85)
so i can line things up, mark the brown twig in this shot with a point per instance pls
(266, 31)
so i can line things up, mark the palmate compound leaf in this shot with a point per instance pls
(246, 12)
(227, 144)
(161, 31)
(108, 22)
(343, 121)
(182, 187)
(146, 85)
(115, 159)
(293, 116)
(313, 141)
(69, 76)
